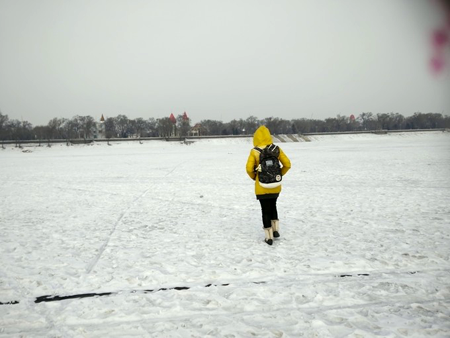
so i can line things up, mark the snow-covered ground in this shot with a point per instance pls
(365, 246)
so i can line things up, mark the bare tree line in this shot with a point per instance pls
(85, 127)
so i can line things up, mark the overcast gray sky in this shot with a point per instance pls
(218, 59)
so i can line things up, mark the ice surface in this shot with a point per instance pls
(365, 246)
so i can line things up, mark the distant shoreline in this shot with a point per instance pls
(186, 139)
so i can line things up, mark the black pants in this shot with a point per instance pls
(269, 211)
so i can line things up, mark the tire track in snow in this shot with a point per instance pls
(94, 262)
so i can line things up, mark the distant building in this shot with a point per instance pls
(196, 130)
(99, 128)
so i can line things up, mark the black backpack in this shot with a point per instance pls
(269, 169)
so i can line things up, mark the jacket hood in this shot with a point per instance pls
(262, 137)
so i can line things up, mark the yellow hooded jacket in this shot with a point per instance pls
(262, 139)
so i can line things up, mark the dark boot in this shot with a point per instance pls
(276, 228)
(269, 236)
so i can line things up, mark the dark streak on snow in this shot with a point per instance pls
(49, 298)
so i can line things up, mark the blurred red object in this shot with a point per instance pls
(440, 38)
(437, 63)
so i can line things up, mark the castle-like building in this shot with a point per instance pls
(99, 128)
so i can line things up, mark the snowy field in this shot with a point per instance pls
(364, 248)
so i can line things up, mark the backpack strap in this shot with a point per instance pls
(272, 147)
(256, 169)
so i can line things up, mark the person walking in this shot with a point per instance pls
(267, 180)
